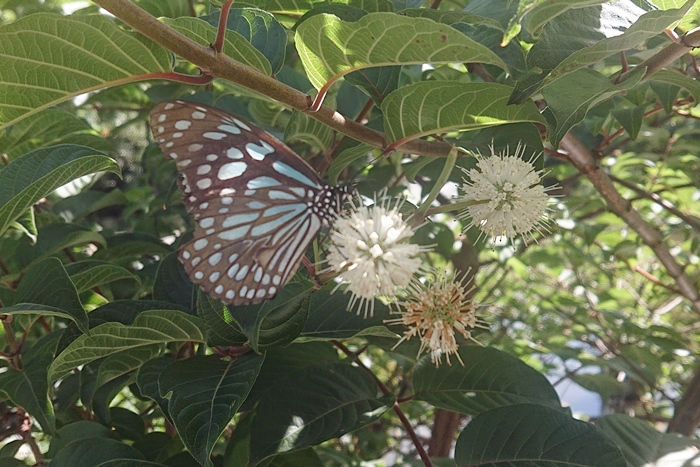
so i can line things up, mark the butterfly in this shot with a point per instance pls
(256, 203)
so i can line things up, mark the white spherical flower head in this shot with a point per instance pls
(507, 194)
(371, 253)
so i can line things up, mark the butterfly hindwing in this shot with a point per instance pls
(257, 205)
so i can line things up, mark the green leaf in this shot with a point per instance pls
(76, 52)
(93, 452)
(583, 26)
(170, 9)
(27, 387)
(88, 202)
(53, 238)
(172, 284)
(489, 379)
(447, 106)
(88, 274)
(150, 327)
(125, 362)
(47, 289)
(49, 128)
(346, 157)
(204, 394)
(377, 82)
(303, 128)
(299, 7)
(82, 429)
(275, 322)
(641, 444)
(450, 17)
(647, 26)
(544, 11)
(631, 118)
(329, 47)
(259, 28)
(147, 381)
(314, 405)
(235, 45)
(330, 319)
(33, 176)
(678, 79)
(529, 434)
(569, 99)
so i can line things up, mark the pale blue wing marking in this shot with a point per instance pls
(290, 172)
(262, 182)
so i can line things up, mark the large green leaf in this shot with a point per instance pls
(88, 274)
(329, 318)
(27, 386)
(261, 29)
(543, 11)
(450, 17)
(269, 324)
(235, 45)
(33, 176)
(150, 327)
(489, 379)
(678, 79)
(646, 27)
(313, 405)
(569, 99)
(49, 128)
(46, 289)
(172, 284)
(204, 393)
(642, 444)
(94, 451)
(58, 57)
(571, 31)
(330, 47)
(430, 107)
(52, 239)
(529, 434)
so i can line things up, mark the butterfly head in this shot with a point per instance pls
(329, 202)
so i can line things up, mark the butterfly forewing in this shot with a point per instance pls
(257, 204)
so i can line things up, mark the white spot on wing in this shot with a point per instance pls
(201, 244)
(214, 135)
(182, 124)
(204, 183)
(231, 170)
(259, 152)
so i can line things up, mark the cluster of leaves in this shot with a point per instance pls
(111, 355)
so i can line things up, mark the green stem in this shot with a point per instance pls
(459, 206)
(439, 183)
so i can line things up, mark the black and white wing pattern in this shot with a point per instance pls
(256, 203)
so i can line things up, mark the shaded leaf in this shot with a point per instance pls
(93, 452)
(88, 274)
(47, 289)
(569, 99)
(33, 176)
(489, 379)
(303, 128)
(259, 28)
(27, 387)
(235, 45)
(528, 434)
(204, 393)
(150, 327)
(315, 404)
(49, 128)
(641, 444)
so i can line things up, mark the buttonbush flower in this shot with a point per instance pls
(507, 195)
(371, 253)
(435, 313)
